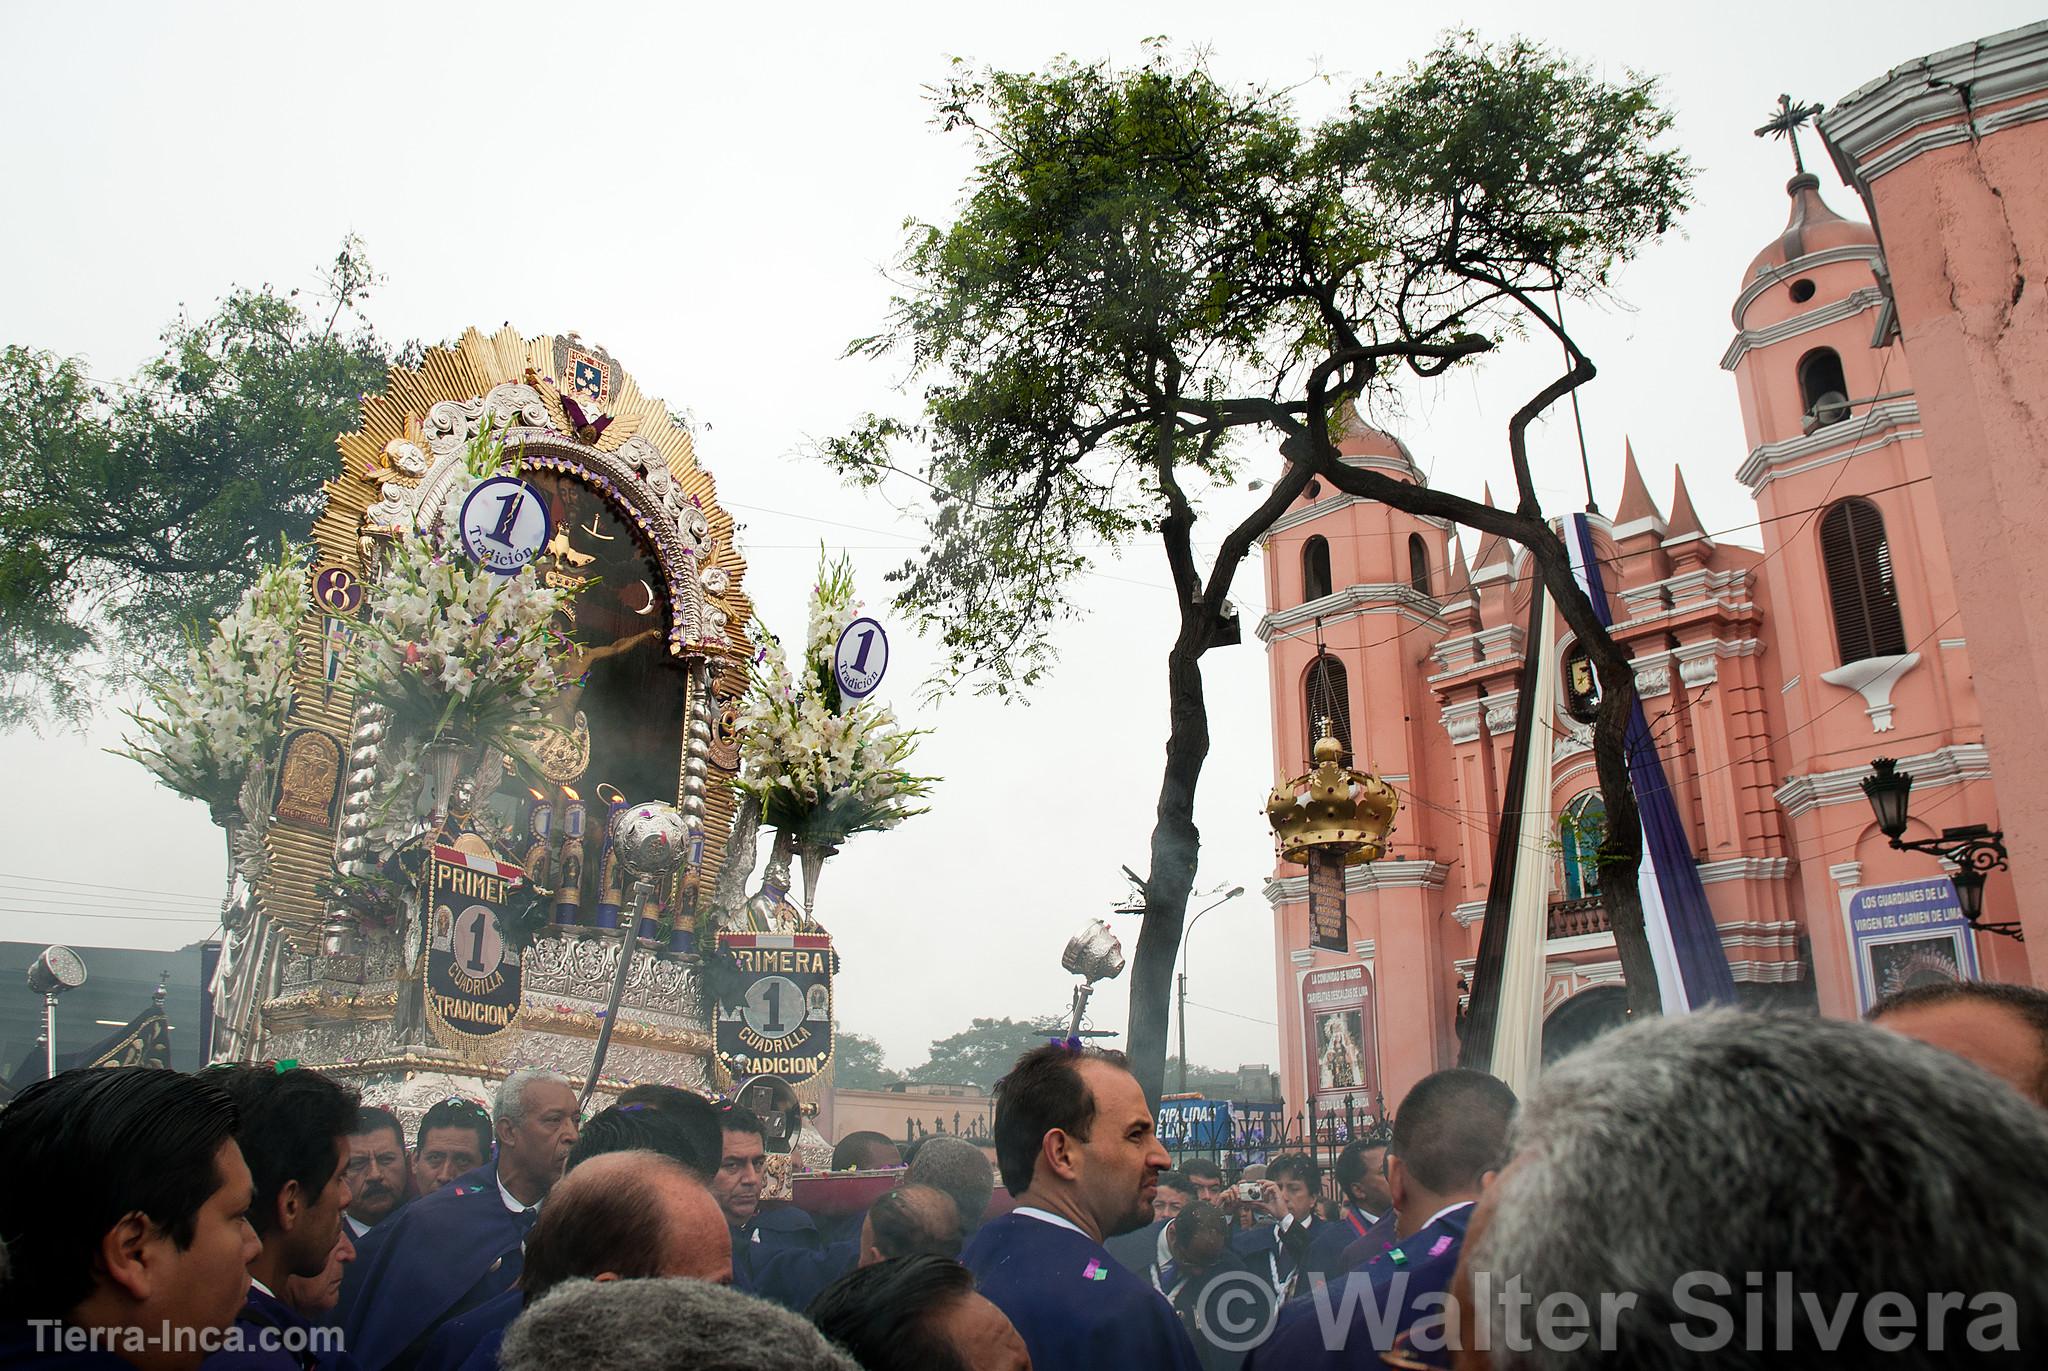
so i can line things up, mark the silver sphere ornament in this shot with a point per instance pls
(651, 838)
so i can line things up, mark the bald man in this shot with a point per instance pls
(908, 1221)
(2002, 1028)
(617, 1216)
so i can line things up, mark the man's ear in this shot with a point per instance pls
(126, 1257)
(290, 1205)
(1057, 1150)
(606, 1276)
(1399, 1185)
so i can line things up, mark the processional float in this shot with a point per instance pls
(419, 906)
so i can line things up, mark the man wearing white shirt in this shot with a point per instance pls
(446, 1254)
(1450, 1136)
(1076, 1146)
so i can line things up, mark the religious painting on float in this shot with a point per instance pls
(615, 733)
(1343, 1043)
(1907, 934)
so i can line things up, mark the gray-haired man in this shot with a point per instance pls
(1734, 1190)
(662, 1325)
(462, 1245)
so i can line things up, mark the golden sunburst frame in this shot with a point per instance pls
(318, 981)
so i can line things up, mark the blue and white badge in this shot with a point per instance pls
(505, 524)
(860, 659)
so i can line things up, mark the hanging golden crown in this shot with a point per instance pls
(1333, 806)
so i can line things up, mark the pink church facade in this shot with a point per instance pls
(1771, 678)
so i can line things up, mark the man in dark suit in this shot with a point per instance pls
(125, 1217)
(778, 1251)
(1299, 1246)
(1076, 1145)
(295, 1133)
(1145, 1250)
(629, 1215)
(444, 1255)
(1195, 1277)
(1368, 1208)
(1450, 1134)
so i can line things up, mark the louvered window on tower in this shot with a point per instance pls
(1328, 696)
(1861, 590)
(1418, 563)
(1315, 568)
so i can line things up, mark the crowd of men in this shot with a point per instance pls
(1718, 1190)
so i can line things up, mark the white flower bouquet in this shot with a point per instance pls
(215, 723)
(822, 769)
(455, 651)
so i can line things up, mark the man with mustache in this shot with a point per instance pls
(379, 1174)
(463, 1244)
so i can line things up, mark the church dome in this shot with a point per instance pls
(1812, 227)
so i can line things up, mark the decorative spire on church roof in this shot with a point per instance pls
(1492, 547)
(1685, 520)
(1635, 496)
(1461, 578)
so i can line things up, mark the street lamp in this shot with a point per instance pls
(1975, 850)
(1234, 892)
(57, 970)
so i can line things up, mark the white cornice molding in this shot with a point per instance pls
(1382, 875)
(1351, 601)
(1848, 307)
(1945, 766)
(1786, 972)
(1745, 869)
(1468, 914)
(1333, 504)
(1798, 266)
(1881, 424)
(1930, 102)
(1399, 467)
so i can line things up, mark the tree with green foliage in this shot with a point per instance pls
(1148, 266)
(857, 1062)
(132, 512)
(983, 1053)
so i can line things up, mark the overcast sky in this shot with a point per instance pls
(710, 192)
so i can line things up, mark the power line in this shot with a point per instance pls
(119, 889)
(126, 918)
(1196, 1004)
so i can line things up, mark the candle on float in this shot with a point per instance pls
(610, 888)
(540, 824)
(569, 893)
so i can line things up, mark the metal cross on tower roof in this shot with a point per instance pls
(1786, 123)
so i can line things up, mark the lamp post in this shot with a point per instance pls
(1235, 891)
(1975, 850)
(57, 970)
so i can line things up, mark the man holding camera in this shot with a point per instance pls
(1299, 1246)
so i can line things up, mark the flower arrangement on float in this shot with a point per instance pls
(460, 658)
(218, 722)
(823, 768)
